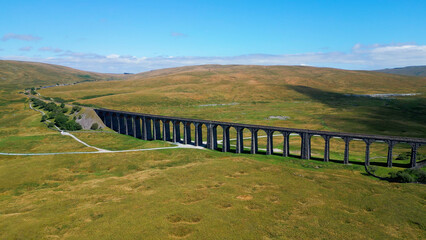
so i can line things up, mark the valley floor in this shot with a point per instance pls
(190, 193)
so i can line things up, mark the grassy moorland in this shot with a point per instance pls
(203, 194)
(314, 98)
(21, 130)
(305, 97)
(19, 75)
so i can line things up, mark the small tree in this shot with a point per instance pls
(43, 118)
(64, 110)
(62, 105)
(94, 126)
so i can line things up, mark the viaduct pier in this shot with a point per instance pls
(166, 128)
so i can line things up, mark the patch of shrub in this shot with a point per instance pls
(64, 123)
(409, 175)
(64, 110)
(75, 109)
(407, 156)
(59, 100)
(51, 115)
(43, 118)
(94, 126)
(50, 125)
(72, 125)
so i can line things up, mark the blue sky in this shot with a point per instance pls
(136, 36)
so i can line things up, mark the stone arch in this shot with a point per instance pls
(357, 151)
(122, 123)
(339, 149)
(246, 140)
(318, 147)
(277, 143)
(167, 130)
(108, 120)
(418, 154)
(186, 132)
(233, 139)
(176, 132)
(295, 143)
(377, 153)
(262, 141)
(200, 134)
(138, 127)
(130, 129)
(115, 122)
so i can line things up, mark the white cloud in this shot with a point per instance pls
(178, 34)
(23, 37)
(360, 57)
(25, 49)
(50, 49)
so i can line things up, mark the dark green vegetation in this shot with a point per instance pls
(57, 113)
(96, 96)
(408, 71)
(409, 175)
(203, 194)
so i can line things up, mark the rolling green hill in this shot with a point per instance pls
(408, 71)
(204, 194)
(314, 98)
(18, 75)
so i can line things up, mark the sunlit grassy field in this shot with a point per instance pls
(114, 141)
(201, 194)
(253, 94)
(312, 98)
(204, 194)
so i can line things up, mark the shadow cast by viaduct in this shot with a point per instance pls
(375, 114)
(166, 128)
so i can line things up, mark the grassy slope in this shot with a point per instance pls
(312, 97)
(18, 75)
(195, 194)
(409, 71)
(201, 194)
(21, 130)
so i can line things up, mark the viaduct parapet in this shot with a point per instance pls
(148, 127)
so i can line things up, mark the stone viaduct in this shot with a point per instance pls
(148, 127)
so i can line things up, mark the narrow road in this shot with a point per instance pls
(99, 150)
(106, 151)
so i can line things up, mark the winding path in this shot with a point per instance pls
(105, 151)
(99, 150)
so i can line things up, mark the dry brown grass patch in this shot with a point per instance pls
(245, 197)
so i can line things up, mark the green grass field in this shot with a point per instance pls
(204, 194)
(198, 194)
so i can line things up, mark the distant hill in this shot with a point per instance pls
(19, 75)
(419, 71)
(269, 77)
